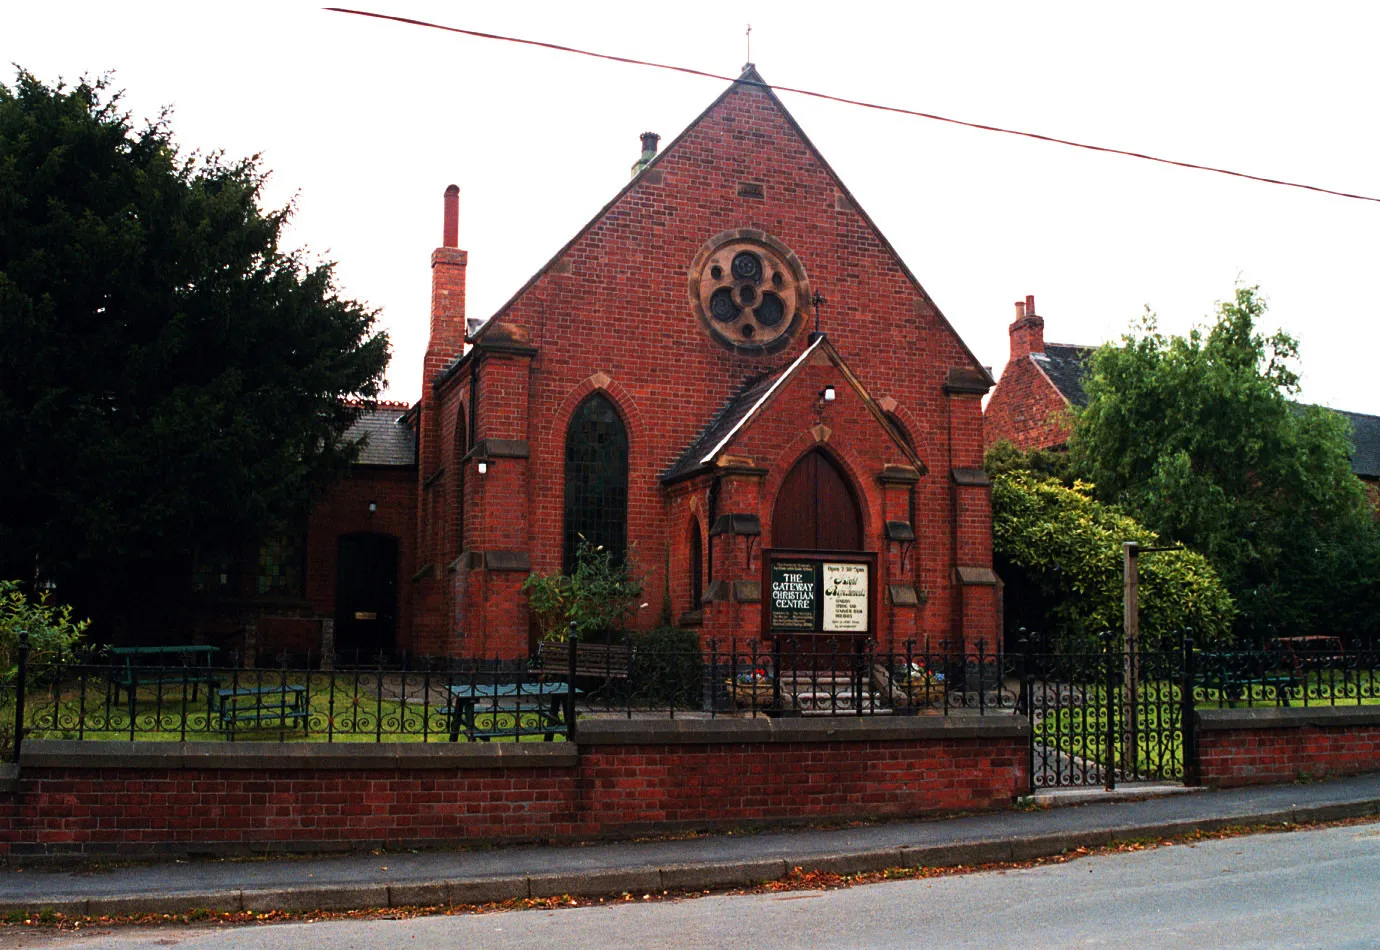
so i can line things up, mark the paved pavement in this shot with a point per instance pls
(481, 875)
(1311, 889)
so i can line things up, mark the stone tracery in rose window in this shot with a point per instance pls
(748, 291)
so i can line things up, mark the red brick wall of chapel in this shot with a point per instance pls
(612, 313)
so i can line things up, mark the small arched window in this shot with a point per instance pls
(596, 479)
(897, 426)
(894, 422)
(462, 445)
(696, 565)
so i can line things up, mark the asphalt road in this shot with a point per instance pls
(1303, 889)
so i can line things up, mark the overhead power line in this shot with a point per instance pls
(851, 102)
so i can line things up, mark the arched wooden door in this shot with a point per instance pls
(816, 509)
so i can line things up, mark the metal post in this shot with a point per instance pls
(775, 674)
(1110, 705)
(21, 686)
(1130, 567)
(1189, 716)
(1026, 702)
(572, 640)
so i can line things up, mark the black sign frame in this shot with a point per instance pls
(772, 555)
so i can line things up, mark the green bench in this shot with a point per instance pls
(133, 668)
(1235, 677)
(254, 706)
(543, 701)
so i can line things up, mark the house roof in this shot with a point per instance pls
(1063, 364)
(1365, 443)
(725, 421)
(753, 396)
(387, 439)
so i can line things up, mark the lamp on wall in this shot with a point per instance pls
(826, 394)
(373, 507)
(483, 467)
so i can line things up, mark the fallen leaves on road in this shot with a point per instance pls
(798, 879)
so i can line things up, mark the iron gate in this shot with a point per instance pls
(1112, 716)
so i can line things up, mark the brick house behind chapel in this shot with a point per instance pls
(1031, 406)
(657, 386)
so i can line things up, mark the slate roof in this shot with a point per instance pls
(388, 440)
(1064, 364)
(729, 415)
(1365, 443)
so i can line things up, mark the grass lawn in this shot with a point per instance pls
(1081, 730)
(323, 707)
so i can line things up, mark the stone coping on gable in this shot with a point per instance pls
(798, 729)
(75, 754)
(1288, 717)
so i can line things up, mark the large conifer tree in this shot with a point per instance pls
(169, 375)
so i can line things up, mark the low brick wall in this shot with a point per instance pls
(623, 777)
(1264, 746)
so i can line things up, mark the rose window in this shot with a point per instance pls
(747, 289)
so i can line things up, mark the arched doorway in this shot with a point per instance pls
(816, 509)
(818, 607)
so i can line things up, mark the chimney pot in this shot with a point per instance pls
(649, 143)
(450, 234)
(1028, 330)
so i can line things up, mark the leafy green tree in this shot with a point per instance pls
(170, 376)
(1198, 438)
(1067, 546)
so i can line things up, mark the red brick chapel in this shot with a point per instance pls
(660, 386)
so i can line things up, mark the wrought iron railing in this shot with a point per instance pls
(1098, 716)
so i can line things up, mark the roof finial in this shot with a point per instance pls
(748, 34)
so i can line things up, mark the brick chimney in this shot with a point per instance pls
(1028, 331)
(447, 340)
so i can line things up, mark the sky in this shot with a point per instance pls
(364, 123)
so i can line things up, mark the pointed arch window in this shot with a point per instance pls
(696, 565)
(899, 427)
(596, 479)
(462, 446)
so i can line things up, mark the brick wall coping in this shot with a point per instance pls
(803, 729)
(1288, 717)
(59, 753)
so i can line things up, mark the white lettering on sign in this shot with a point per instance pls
(793, 591)
(845, 597)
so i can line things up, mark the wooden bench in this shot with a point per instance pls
(1234, 675)
(252, 706)
(603, 661)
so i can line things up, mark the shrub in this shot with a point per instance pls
(53, 634)
(1069, 548)
(668, 668)
(598, 596)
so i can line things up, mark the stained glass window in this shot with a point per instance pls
(280, 566)
(596, 479)
(212, 569)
